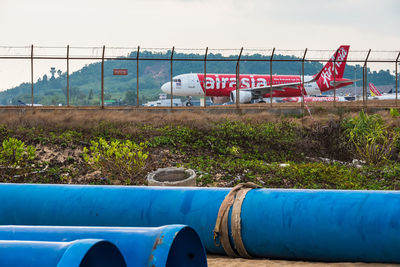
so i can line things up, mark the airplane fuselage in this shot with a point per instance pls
(220, 85)
(224, 87)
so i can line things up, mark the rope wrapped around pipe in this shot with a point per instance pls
(221, 231)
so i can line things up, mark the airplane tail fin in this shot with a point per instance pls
(334, 68)
(374, 91)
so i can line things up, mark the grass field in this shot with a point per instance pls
(223, 149)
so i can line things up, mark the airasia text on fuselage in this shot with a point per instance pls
(220, 82)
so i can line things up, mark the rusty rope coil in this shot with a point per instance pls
(221, 231)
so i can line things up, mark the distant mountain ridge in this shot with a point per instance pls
(85, 84)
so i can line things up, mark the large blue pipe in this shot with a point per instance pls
(172, 245)
(321, 225)
(79, 253)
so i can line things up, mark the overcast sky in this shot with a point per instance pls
(285, 24)
(291, 24)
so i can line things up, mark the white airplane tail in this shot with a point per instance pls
(374, 91)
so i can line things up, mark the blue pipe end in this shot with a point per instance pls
(187, 250)
(82, 253)
(178, 245)
(92, 252)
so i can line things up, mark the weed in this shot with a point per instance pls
(394, 112)
(14, 153)
(372, 140)
(121, 160)
(66, 138)
(4, 132)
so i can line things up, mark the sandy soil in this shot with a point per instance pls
(218, 261)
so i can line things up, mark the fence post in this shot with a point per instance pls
(172, 93)
(397, 61)
(334, 78)
(365, 74)
(205, 77)
(32, 100)
(270, 76)
(363, 86)
(137, 77)
(302, 82)
(102, 77)
(238, 79)
(67, 75)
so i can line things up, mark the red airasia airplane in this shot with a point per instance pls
(222, 87)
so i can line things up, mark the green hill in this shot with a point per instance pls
(85, 84)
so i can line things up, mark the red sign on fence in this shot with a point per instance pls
(120, 71)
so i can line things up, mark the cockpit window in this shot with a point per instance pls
(177, 81)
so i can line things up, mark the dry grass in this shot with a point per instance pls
(89, 118)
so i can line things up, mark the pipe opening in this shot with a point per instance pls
(103, 254)
(91, 252)
(186, 250)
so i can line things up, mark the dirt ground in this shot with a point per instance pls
(218, 261)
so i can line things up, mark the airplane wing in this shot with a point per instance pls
(262, 90)
(334, 83)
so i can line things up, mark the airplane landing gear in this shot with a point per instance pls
(189, 102)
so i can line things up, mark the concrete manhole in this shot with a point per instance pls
(172, 176)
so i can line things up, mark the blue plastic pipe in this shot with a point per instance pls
(172, 245)
(79, 253)
(320, 225)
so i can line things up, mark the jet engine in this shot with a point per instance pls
(244, 96)
(220, 99)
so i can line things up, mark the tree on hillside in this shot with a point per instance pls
(107, 96)
(90, 96)
(130, 98)
(74, 93)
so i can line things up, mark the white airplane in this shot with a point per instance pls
(375, 94)
(222, 87)
(30, 105)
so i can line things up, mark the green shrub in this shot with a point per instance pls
(223, 171)
(394, 112)
(68, 136)
(267, 141)
(262, 141)
(3, 131)
(116, 159)
(317, 175)
(175, 136)
(13, 153)
(370, 137)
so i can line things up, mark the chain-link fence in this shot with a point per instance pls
(132, 76)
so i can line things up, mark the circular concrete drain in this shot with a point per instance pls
(172, 176)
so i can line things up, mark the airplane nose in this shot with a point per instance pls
(166, 88)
